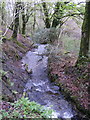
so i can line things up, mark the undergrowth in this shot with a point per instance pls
(23, 108)
(71, 44)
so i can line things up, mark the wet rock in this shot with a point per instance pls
(50, 91)
(56, 88)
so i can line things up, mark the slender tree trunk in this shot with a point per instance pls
(25, 18)
(34, 22)
(47, 20)
(84, 53)
(23, 24)
(24, 28)
(16, 21)
(3, 13)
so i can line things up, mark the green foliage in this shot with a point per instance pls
(45, 35)
(3, 4)
(4, 113)
(1, 31)
(19, 44)
(3, 38)
(63, 10)
(23, 108)
(82, 61)
(2, 73)
(71, 44)
(6, 79)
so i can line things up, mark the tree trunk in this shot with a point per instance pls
(3, 13)
(25, 18)
(58, 14)
(84, 53)
(23, 23)
(16, 20)
(47, 20)
(23, 28)
(34, 22)
(56, 20)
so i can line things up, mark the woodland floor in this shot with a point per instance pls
(73, 80)
(14, 80)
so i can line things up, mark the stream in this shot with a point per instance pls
(40, 89)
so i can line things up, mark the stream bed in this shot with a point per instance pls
(40, 89)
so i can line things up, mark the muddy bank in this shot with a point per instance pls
(14, 77)
(75, 88)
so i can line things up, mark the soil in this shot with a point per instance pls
(15, 79)
(74, 81)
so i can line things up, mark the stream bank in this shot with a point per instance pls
(61, 71)
(13, 76)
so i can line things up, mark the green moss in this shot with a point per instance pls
(17, 57)
(4, 97)
(16, 42)
(23, 35)
(82, 61)
(19, 44)
(9, 39)
(74, 97)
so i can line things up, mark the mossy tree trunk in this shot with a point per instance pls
(3, 12)
(56, 19)
(34, 18)
(23, 23)
(34, 22)
(58, 14)
(47, 20)
(84, 54)
(25, 18)
(16, 20)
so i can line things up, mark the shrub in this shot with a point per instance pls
(44, 36)
(23, 108)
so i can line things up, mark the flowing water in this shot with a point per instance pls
(40, 89)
